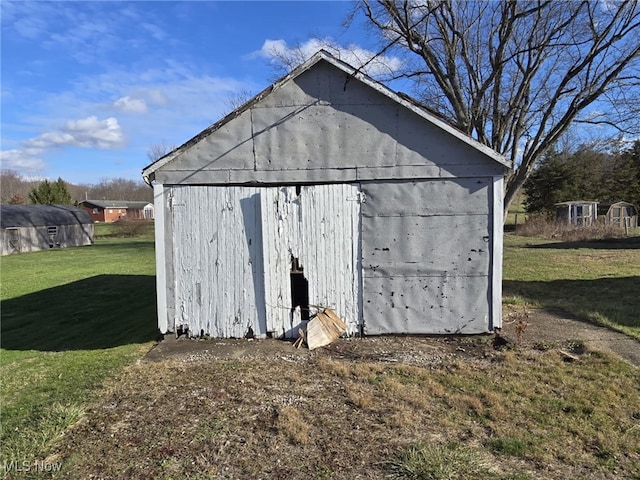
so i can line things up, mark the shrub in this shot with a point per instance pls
(131, 228)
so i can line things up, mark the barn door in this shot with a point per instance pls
(218, 260)
(311, 252)
(14, 240)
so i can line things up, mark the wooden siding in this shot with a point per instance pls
(426, 256)
(165, 280)
(217, 260)
(320, 227)
(497, 249)
(233, 247)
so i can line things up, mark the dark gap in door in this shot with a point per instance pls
(299, 289)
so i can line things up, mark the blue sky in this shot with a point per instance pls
(89, 87)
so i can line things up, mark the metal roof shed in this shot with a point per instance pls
(27, 228)
(328, 189)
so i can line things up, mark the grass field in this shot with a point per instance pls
(597, 281)
(70, 318)
(74, 322)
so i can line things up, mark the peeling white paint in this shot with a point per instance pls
(319, 227)
(233, 255)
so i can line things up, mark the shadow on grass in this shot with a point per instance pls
(124, 244)
(628, 243)
(99, 312)
(616, 299)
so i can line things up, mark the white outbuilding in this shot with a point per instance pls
(329, 190)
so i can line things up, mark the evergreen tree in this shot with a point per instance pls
(48, 193)
(626, 176)
(552, 182)
(586, 174)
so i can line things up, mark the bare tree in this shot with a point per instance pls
(159, 150)
(119, 189)
(516, 75)
(237, 99)
(14, 188)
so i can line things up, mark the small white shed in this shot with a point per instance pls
(577, 213)
(329, 190)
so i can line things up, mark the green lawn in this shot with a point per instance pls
(70, 318)
(597, 281)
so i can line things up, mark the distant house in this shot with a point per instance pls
(577, 213)
(27, 228)
(113, 210)
(619, 214)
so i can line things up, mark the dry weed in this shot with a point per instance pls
(359, 396)
(541, 226)
(414, 395)
(402, 417)
(366, 369)
(494, 404)
(334, 418)
(392, 385)
(289, 421)
(333, 367)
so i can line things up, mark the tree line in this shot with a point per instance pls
(17, 190)
(588, 174)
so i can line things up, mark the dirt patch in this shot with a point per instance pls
(550, 328)
(223, 409)
(545, 329)
(412, 350)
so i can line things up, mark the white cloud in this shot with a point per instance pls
(26, 160)
(30, 28)
(351, 54)
(273, 48)
(156, 96)
(91, 132)
(87, 133)
(128, 104)
(156, 32)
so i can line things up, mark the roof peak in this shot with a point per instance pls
(353, 72)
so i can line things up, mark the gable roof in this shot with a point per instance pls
(42, 216)
(324, 56)
(115, 204)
